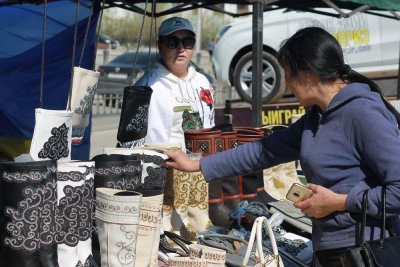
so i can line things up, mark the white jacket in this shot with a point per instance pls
(160, 117)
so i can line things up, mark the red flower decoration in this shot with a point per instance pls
(205, 96)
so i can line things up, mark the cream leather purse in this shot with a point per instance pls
(271, 259)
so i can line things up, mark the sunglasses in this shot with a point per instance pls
(172, 42)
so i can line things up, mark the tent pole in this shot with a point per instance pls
(398, 77)
(256, 87)
(198, 36)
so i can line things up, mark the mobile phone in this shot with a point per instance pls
(297, 192)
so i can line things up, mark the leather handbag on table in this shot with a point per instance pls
(243, 253)
(383, 252)
(263, 260)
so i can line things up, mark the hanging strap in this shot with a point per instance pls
(98, 35)
(86, 34)
(153, 11)
(382, 218)
(73, 54)
(43, 49)
(138, 44)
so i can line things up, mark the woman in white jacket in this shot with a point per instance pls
(182, 99)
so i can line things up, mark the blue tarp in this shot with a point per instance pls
(20, 64)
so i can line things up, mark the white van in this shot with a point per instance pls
(370, 44)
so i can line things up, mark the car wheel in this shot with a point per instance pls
(273, 83)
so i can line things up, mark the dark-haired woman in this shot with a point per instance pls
(347, 142)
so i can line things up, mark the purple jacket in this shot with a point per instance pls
(352, 147)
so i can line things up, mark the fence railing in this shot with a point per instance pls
(107, 102)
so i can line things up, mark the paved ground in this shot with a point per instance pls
(104, 133)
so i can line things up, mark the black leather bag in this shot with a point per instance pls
(383, 252)
(134, 114)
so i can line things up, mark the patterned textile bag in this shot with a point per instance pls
(186, 207)
(133, 122)
(149, 228)
(28, 204)
(75, 213)
(117, 218)
(84, 85)
(52, 135)
(150, 183)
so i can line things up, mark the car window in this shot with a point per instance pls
(222, 32)
(129, 57)
(125, 58)
(143, 58)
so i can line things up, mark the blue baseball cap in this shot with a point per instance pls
(174, 24)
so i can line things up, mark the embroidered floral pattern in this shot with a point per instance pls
(181, 187)
(56, 146)
(70, 176)
(132, 144)
(74, 215)
(138, 122)
(75, 209)
(28, 176)
(48, 215)
(116, 170)
(155, 178)
(25, 221)
(124, 212)
(88, 198)
(157, 160)
(205, 96)
(126, 255)
(85, 105)
(125, 177)
(198, 196)
(31, 223)
(156, 173)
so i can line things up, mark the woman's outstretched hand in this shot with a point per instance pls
(180, 161)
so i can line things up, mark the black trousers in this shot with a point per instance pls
(330, 257)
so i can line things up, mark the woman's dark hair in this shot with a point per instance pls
(316, 51)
